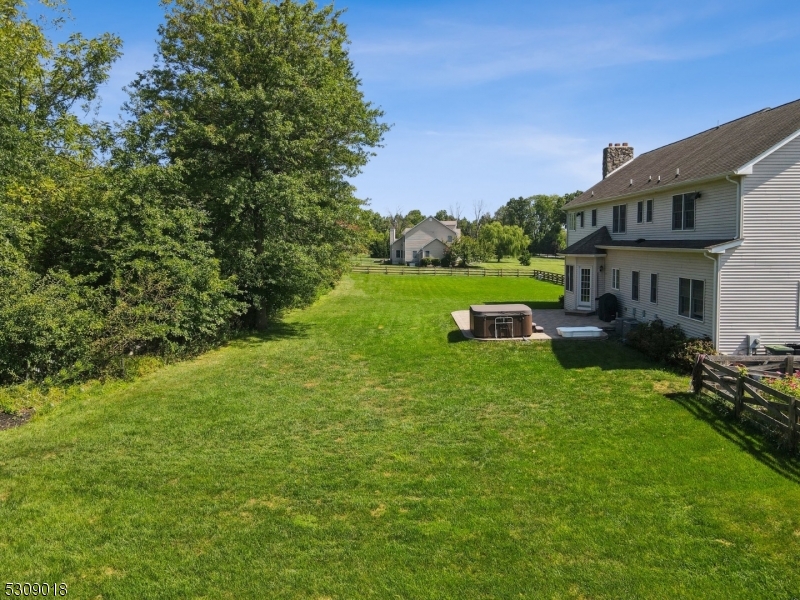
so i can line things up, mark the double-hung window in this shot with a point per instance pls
(614, 279)
(571, 219)
(397, 253)
(594, 217)
(640, 211)
(683, 211)
(690, 298)
(654, 288)
(649, 211)
(569, 276)
(618, 219)
(634, 285)
(415, 254)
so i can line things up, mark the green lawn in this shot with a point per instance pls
(363, 449)
(538, 263)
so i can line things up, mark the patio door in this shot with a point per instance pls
(585, 290)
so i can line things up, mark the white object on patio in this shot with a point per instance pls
(579, 331)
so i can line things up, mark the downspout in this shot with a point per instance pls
(715, 323)
(739, 206)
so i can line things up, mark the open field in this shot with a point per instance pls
(538, 263)
(363, 449)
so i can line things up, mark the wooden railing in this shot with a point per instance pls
(556, 278)
(743, 383)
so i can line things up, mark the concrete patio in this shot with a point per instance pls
(548, 319)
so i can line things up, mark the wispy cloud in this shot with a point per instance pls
(442, 52)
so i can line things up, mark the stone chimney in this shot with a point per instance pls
(392, 235)
(615, 156)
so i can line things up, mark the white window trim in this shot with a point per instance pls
(569, 278)
(624, 221)
(615, 279)
(683, 214)
(652, 204)
(691, 288)
(638, 286)
(657, 286)
(640, 216)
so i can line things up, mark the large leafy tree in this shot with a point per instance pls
(258, 103)
(505, 240)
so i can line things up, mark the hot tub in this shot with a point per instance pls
(501, 321)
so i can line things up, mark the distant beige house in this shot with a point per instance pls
(703, 232)
(427, 239)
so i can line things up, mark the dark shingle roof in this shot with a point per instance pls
(588, 244)
(717, 151)
(665, 244)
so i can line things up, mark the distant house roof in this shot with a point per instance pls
(717, 151)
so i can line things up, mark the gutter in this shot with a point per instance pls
(739, 206)
(649, 192)
(715, 323)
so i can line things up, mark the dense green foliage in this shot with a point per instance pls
(541, 218)
(225, 194)
(259, 104)
(504, 240)
(318, 461)
(668, 344)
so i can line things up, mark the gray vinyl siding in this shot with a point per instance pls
(669, 266)
(759, 281)
(715, 216)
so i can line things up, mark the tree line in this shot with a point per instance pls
(221, 198)
(522, 227)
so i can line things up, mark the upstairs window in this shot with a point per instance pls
(683, 211)
(649, 211)
(618, 224)
(634, 285)
(571, 221)
(654, 288)
(594, 217)
(397, 253)
(640, 211)
(569, 274)
(449, 238)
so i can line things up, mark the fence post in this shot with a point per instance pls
(737, 405)
(791, 432)
(697, 373)
(789, 365)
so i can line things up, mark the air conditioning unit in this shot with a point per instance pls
(624, 326)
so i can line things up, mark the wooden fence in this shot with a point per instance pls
(748, 391)
(557, 278)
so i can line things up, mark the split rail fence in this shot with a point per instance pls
(748, 391)
(557, 278)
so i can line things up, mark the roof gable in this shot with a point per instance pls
(411, 230)
(718, 151)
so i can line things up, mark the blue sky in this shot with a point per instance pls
(492, 100)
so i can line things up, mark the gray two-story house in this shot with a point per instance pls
(704, 232)
(427, 239)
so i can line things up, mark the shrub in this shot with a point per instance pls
(525, 259)
(424, 262)
(436, 262)
(788, 384)
(447, 259)
(668, 344)
(561, 301)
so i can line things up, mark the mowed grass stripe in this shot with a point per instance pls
(362, 450)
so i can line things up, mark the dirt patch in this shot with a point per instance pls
(8, 421)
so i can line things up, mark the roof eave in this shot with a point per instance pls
(747, 168)
(647, 192)
(651, 249)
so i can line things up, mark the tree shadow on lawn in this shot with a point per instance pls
(746, 435)
(276, 331)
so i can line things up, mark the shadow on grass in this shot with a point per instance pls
(607, 355)
(747, 436)
(455, 336)
(276, 331)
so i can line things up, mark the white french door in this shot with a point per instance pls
(585, 290)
